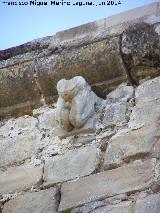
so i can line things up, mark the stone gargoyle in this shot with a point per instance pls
(76, 105)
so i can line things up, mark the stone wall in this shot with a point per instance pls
(106, 53)
(115, 170)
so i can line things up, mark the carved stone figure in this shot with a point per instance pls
(76, 104)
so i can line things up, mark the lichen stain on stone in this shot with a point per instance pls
(14, 71)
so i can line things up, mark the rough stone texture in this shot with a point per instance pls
(124, 207)
(100, 58)
(128, 144)
(143, 132)
(19, 140)
(73, 164)
(17, 150)
(141, 51)
(29, 73)
(18, 89)
(150, 204)
(117, 106)
(35, 44)
(129, 178)
(148, 91)
(109, 26)
(20, 178)
(87, 129)
(104, 53)
(115, 114)
(147, 114)
(40, 76)
(37, 202)
(156, 150)
(112, 203)
(121, 94)
(46, 117)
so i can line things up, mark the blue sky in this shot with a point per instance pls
(20, 24)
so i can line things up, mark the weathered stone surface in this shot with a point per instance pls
(157, 172)
(36, 44)
(108, 202)
(115, 114)
(124, 207)
(98, 207)
(84, 139)
(128, 144)
(16, 150)
(116, 105)
(109, 26)
(150, 204)
(19, 140)
(147, 98)
(73, 164)
(121, 94)
(94, 47)
(46, 117)
(157, 29)
(139, 139)
(128, 178)
(75, 105)
(37, 202)
(101, 58)
(141, 51)
(147, 114)
(148, 91)
(14, 127)
(156, 150)
(49, 70)
(61, 133)
(19, 91)
(19, 179)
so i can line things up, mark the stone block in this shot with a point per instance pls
(149, 204)
(121, 94)
(101, 58)
(94, 47)
(115, 114)
(19, 140)
(124, 207)
(141, 51)
(112, 203)
(45, 201)
(129, 178)
(90, 31)
(46, 118)
(148, 91)
(16, 150)
(19, 91)
(20, 179)
(145, 114)
(73, 164)
(127, 144)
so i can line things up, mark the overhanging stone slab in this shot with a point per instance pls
(109, 26)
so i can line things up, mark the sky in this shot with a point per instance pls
(22, 23)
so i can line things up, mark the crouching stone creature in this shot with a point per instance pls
(76, 104)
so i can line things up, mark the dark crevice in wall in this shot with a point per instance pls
(125, 66)
(38, 86)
